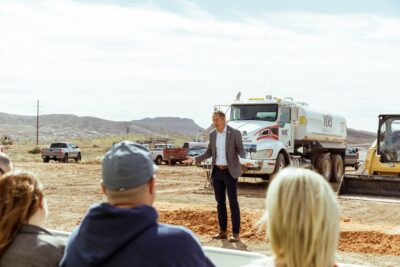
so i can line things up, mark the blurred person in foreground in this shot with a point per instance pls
(302, 220)
(24, 241)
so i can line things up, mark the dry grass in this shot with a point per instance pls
(92, 149)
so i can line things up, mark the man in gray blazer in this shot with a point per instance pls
(225, 147)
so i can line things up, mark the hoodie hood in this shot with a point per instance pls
(107, 229)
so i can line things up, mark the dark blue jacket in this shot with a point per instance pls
(110, 236)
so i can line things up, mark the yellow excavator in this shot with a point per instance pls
(379, 176)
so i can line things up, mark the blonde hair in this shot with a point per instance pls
(302, 219)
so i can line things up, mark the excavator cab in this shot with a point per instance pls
(379, 176)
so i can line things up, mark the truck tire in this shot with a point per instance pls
(78, 158)
(313, 159)
(337, 168)
(159, 160)
(280, 163)
(46, 160)
(356, 166)
(65, 159)
(323, 164)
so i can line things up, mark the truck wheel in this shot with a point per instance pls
(65, 159)
(356, 166)
(280, 163)
(46, 160)
(79, 158)
(159, 160)
(337, 168)
(323, 165)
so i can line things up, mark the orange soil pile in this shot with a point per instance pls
(369, 242)
(205, 223)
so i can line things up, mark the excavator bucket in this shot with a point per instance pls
(374, 187)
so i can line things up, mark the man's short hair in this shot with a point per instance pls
(219, 113)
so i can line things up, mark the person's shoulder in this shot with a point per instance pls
(170, 229)
(34, 247)
(178, 233)
(53, 241)
(50, 245)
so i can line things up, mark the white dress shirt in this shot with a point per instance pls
(220, 142)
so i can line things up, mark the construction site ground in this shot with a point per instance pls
(370, 230)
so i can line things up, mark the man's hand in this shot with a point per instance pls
(188, 161)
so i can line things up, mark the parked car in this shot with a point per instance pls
(63, 151)
(195, 148)
(352, 157)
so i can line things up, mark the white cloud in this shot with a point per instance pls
(130, 62)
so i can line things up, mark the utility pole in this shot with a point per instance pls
(37, 124)
(127, 128)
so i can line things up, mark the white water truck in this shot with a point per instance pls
(280, 132)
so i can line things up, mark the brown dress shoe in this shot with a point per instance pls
(220, 235)
(234, 238)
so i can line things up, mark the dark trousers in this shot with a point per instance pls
(223, 182)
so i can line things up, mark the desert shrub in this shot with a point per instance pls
(35, 150)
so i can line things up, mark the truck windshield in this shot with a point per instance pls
(58, 145)
(266, 112)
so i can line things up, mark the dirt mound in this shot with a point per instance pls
(205, 223)
(369, 242)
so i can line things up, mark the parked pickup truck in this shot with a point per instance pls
(352, 157)
(168, 153)
(174, 155)
(157, 152)
(61, 152)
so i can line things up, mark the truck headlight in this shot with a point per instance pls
(263, 154)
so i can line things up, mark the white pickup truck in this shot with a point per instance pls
(158, 152)
(63, 151)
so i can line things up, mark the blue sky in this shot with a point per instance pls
(121, 61)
